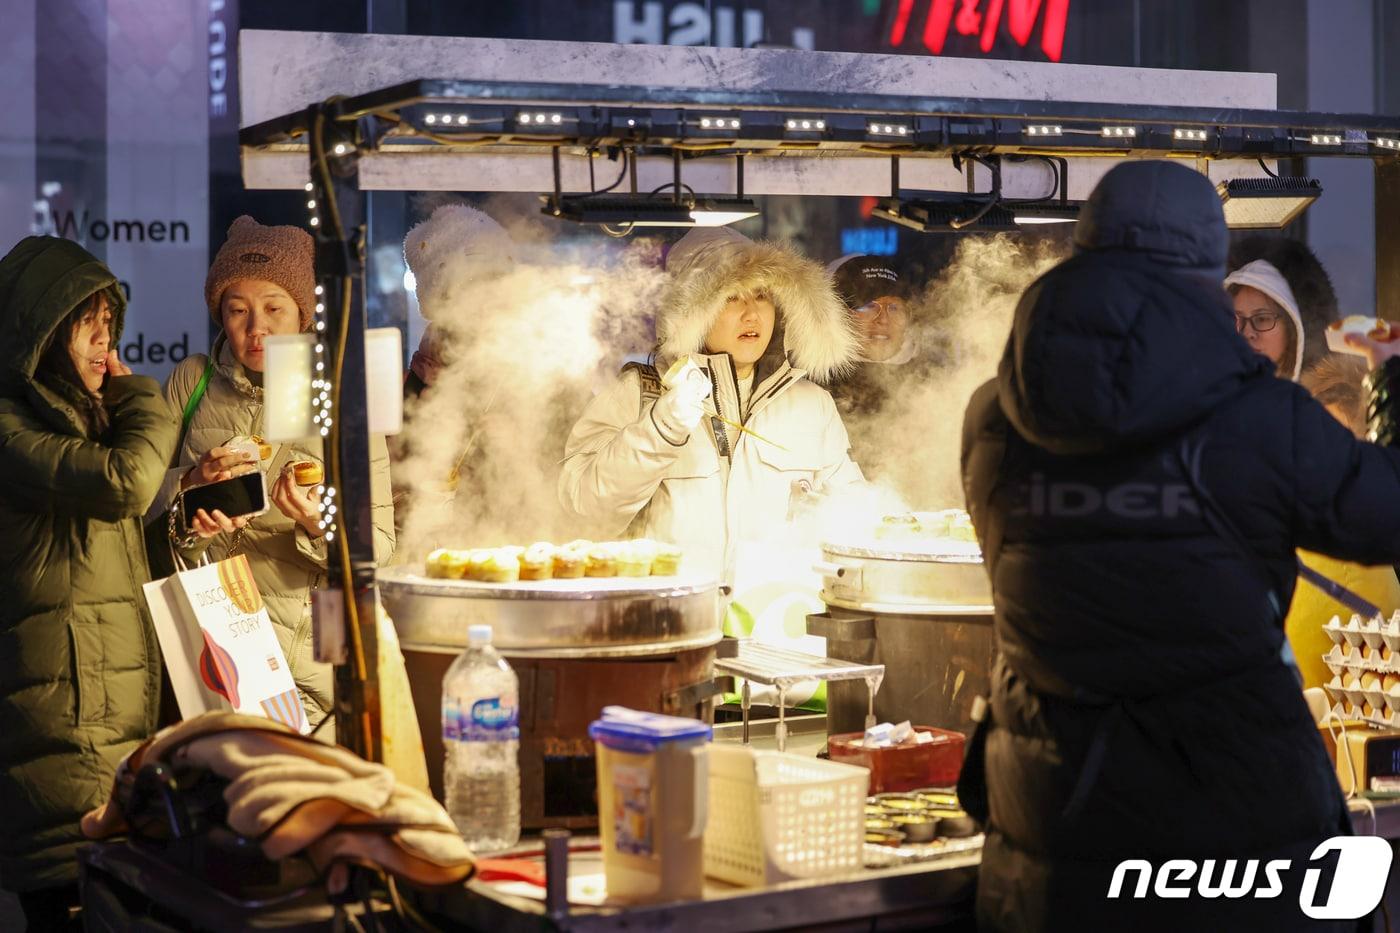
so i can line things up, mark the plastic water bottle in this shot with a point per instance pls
(481, 736)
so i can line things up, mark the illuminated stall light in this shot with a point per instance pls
(888, 129)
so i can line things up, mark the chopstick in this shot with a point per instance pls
(739, 427)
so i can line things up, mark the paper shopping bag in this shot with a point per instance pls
(220, 649)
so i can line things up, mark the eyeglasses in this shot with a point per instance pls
(1260, 323)
(887, 305)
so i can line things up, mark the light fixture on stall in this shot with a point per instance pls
(618, 214)
(933, 213)
(887, 129)
(1048, 212)
(646, 210)
(1266, 203)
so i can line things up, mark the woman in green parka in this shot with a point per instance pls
(83, 449)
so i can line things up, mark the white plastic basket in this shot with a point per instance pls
(774, 817)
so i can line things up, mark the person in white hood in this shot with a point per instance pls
(764, 325)
(1266, 315)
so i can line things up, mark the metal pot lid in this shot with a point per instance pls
(411, 580)
(937, 551)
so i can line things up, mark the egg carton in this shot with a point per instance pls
(1352, 703)
(1373, 632)
(1343, 660)
(1354, 715)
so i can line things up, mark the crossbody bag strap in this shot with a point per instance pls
(195, 397)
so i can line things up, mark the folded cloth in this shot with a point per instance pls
(294, 794)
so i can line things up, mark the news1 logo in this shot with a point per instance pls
(1355, 881)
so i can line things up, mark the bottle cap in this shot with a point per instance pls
(478, 635)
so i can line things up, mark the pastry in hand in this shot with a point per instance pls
(602, 561)
(447, 564)
(667, 562)
(537, 561)
(569, 562)
(308, 473)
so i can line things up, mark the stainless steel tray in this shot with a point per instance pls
(589, 617)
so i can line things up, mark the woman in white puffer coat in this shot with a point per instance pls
(764, 325)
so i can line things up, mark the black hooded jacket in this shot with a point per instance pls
(1139, 480)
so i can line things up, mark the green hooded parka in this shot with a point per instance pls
(79, 662)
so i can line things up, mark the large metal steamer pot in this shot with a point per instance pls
(577, 646)
(925, 615)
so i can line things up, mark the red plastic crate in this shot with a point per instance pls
(904, 767)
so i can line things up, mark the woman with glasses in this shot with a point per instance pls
(1283, 301)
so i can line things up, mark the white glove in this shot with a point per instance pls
(681, 408)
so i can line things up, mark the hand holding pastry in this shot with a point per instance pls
(301, 504)
(1378, 344)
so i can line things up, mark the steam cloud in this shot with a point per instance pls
(528, 349)
(910, 448)
(524, 353)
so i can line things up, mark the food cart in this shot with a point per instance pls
(945, 144)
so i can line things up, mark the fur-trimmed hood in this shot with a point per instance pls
(710, 264)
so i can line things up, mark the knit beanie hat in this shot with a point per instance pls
(1261, 275)
(284, 256)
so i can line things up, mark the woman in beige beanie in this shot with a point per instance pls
(262, 283)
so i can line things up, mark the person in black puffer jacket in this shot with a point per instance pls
(1139, 481)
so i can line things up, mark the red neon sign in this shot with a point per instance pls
(969, 18)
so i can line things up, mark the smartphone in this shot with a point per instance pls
(241, 495)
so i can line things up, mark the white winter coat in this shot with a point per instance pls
(721, 487)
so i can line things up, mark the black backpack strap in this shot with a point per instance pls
(651, 381)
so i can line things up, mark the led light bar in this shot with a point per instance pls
(805, 125)
(1119, 132)
(720, 123)
(446, 119)
(651, 211)
(1044, 129)
(1325, 139)
(1384, 142)
(1188, 134)
(528, 118)
(877, 128)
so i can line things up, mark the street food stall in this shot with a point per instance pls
(946, 145)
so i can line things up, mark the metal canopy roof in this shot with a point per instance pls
(501, 116)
